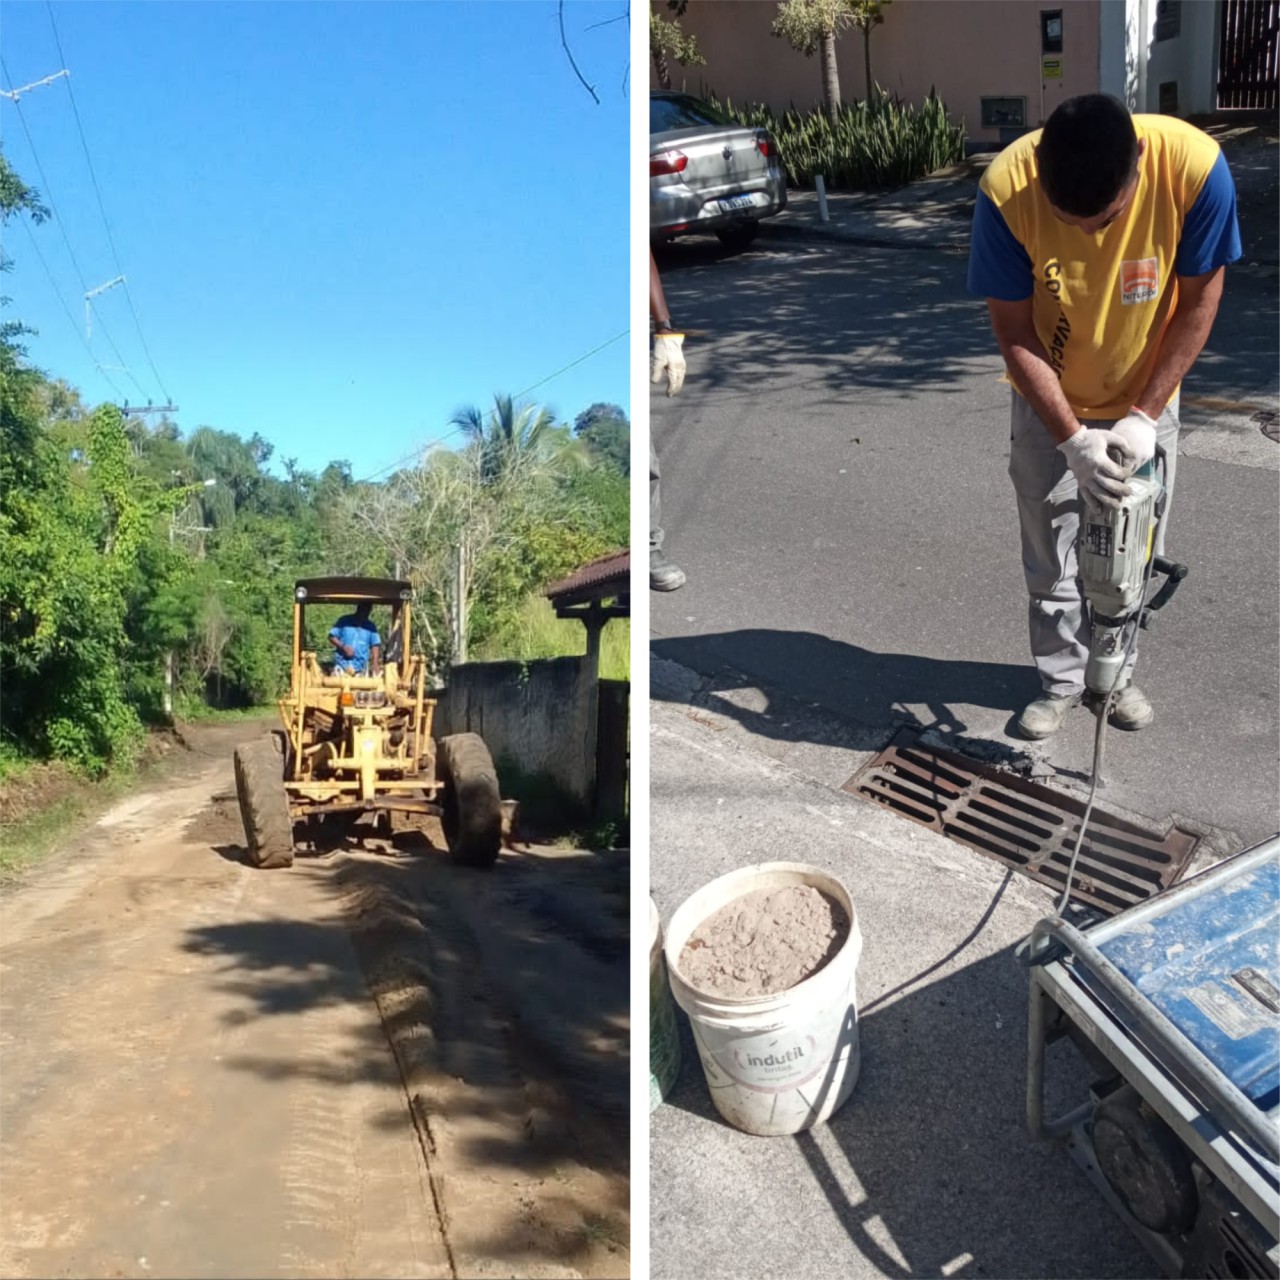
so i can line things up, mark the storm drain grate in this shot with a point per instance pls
(1268, 421)
(1024, 825)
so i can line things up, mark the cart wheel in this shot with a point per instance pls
(1145, 1163)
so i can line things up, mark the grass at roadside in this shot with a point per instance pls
(198, 714)
(536, 632)
(55, 801)
(43, 803)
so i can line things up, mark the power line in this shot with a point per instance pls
(47, 193)
(75, 110)
(35, 244)
(565, 368)
(457, 431)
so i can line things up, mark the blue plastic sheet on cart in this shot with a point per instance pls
(1212, 966)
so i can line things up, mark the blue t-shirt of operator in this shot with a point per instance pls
(360, 635)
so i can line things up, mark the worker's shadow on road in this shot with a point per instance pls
(929, 1167)
(829, 692)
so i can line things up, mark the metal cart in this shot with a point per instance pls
(1176, 1005)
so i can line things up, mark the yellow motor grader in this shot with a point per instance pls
(355, 744)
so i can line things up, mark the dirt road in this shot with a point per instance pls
(372, 1064)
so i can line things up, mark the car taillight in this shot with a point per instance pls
(764, 147)
(667, 162)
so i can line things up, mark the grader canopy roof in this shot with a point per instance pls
(346, 590)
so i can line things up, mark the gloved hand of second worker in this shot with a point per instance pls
(1097, 475)
(668, 361)
(1139, 433)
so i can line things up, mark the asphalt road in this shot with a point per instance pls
(835, 486)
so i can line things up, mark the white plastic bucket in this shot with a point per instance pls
(664, 1036)
(779, 1063)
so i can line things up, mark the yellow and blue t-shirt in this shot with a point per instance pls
(1102, 302)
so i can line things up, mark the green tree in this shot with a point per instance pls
(813, 26)
(513, 440)
(606, 431)
(15, 198)
(669, 42)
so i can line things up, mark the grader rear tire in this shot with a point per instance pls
(472, 803)
(264, 807)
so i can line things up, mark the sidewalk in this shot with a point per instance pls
(936, 212)
(928, 1168)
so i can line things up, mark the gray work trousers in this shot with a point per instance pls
(1049, 516)
(655, 502)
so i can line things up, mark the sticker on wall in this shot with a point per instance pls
(1051, 68)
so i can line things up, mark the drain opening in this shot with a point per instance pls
(1022, 824)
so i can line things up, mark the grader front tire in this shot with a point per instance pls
(264, 807)
(472, 803)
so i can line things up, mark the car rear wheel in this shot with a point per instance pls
(264, 807)
(471, 802)
(739, 235)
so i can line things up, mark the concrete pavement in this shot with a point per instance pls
(928, 1169)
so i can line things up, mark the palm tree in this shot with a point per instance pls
(513, 442)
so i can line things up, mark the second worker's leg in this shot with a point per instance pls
(663, 575)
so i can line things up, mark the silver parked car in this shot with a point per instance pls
(707, 173)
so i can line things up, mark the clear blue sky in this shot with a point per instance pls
(339, 222)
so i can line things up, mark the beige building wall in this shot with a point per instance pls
(967, 49)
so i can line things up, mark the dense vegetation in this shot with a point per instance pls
(128, 547)
(881, 142)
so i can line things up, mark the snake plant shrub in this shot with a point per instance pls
(876, 143)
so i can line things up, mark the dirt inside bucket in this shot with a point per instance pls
(764, 942)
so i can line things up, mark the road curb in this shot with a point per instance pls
(839, 235)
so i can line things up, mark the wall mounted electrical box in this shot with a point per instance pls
(1050, 30)
(1004, 113)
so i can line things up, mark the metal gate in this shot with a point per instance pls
(613, 750)
(1248, 72)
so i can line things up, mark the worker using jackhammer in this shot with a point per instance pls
(1099, 243)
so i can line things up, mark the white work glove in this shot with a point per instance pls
(1139, 433)
(668, 360)
(1098, 477)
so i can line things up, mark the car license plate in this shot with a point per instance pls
(732, 203)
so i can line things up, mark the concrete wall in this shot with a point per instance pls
(1189, 59)
(541, 715)
(967, 49)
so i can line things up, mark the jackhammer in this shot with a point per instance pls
(1116, 555)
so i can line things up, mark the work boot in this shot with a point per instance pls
(663, 575)
(1131, 709)
(1044, 716)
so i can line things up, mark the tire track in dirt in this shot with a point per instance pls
(510, 1032)
(194, 1080)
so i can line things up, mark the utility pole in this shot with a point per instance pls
(186, 491)
(12, 94)
(137, 411)
(93, 293)
(460, 604)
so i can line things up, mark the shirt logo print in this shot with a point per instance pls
(1139, 280)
